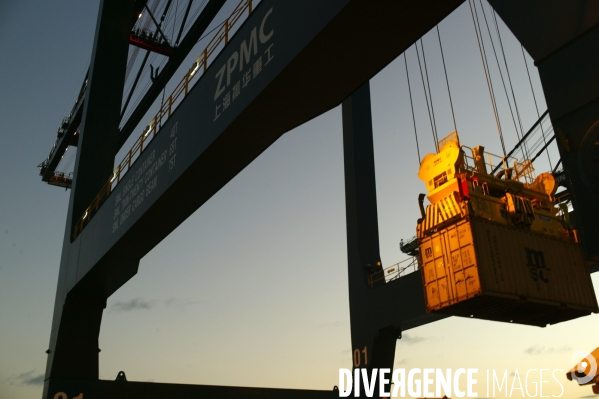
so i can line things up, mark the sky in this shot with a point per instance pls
(251, 290)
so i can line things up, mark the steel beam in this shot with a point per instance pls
(203, 145)
(372, 346)
(73, 351)
(120, 389)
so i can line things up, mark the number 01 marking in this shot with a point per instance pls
(62, 395)
(358, 357)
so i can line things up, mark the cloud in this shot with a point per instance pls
(143, 304)
(26, 378)
(331, 324)
(537, 350)
(180, 303)
(412, 339)
(37, 380)
(133, 304)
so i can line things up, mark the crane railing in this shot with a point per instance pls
(394, 271)
(221, 36)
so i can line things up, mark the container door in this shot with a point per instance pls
(438, 287)
(465, 269)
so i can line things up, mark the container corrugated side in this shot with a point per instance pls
(528, 265)
(482, 269)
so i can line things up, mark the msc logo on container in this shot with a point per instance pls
(428, 252)
(536, 264)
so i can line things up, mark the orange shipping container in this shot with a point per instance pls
(480, 269)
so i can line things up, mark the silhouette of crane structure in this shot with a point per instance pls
(266, 71)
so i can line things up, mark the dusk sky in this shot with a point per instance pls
(251, 290)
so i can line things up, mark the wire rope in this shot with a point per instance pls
(167, 26)
(525, 151)
(430, 94)
(455, 128)
(193, 17)
(405, 58)
(143, 91)
(69, 160)
(533, 93)
(175, 21)
(557, 165)
(75, 88)
(131, 62)
(499, 68)
(426, 98)
(212, 30)
(481, 48)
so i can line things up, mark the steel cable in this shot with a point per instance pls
(426, 98)
(481, 48)
(405, 58)
(455, 128)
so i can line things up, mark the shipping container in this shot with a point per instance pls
(487, 270)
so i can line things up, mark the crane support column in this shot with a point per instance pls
(371, 348)
(73, 351)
